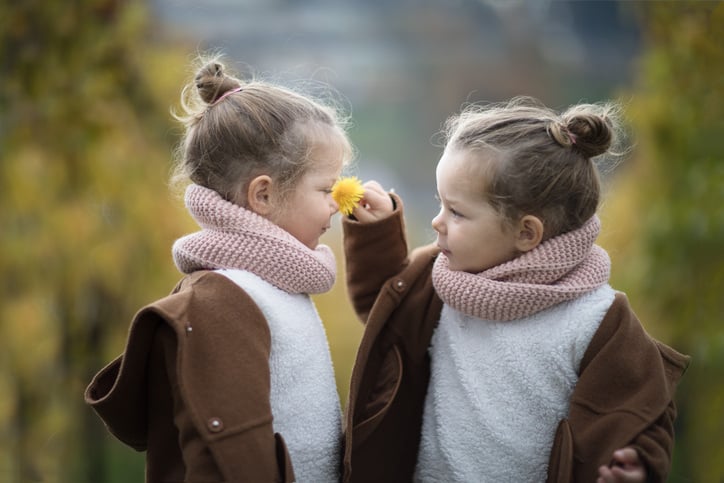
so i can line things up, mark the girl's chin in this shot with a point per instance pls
(454, 266)
(462, 268)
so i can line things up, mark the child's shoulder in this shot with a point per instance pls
(622, 336)
(203, 281)
(208, 286)
(204, 297)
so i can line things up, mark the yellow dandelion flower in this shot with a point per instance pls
(347, 192)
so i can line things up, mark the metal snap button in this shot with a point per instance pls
(215, 425)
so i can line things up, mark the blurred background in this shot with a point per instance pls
(87, 218)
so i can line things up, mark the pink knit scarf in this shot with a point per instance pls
(233, 237)
(559, 269)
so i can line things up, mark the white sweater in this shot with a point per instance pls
(499, 389)
(304, 399)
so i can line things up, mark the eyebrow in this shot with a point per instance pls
(448, 199)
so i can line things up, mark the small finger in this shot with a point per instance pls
(623, 475)
(626, 456)
(605, 475)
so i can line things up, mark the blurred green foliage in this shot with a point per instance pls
(665, 215)
(87, 221)
(86, 216)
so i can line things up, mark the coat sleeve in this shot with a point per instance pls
(648, 444)
(624, 396)
(374, 252)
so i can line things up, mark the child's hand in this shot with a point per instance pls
(376, 204)
(626, 468)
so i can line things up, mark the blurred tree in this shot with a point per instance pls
(667, 215)
(87, 220)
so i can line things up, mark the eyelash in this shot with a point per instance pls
(453, 212)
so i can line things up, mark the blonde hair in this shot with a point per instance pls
(543, 161)
(236, 130)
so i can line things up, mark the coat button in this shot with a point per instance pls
(399, 285)
(215, 425)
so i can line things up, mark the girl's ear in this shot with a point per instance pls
(259, 195)
(529, 233)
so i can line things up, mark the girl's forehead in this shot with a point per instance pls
(326, 159)
(326, 154)
(467, 170)
(317, 131)
(470, 163)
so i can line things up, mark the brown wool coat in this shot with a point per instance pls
(192, 388)
(624, 395)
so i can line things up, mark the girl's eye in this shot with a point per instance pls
(453, 212)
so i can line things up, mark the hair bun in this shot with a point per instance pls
(591, 129)
(212, 82)
(592, 135)
(560, 134)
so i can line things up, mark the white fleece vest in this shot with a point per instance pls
(304, 399)
(499, 389)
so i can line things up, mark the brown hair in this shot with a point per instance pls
(543, 161)
(232, 136)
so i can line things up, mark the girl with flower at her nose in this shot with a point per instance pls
(230, 377)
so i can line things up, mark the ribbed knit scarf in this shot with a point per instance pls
(559, 269)
(234, 237)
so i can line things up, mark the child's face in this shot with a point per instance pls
(307, 212)
(470, 232)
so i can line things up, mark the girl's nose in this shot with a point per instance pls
(437, 224)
